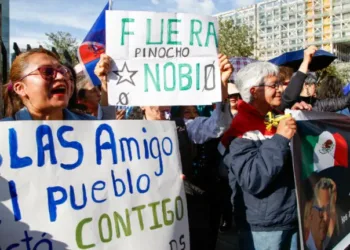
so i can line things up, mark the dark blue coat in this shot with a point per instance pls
(24, 114)
(265, 198)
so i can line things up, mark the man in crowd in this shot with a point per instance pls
(319, 216)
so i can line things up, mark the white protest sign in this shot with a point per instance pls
(91, 185)
(162, 58)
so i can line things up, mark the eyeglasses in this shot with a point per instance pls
(49, 73)
(322, 210)
(233, 96)
(275, 85)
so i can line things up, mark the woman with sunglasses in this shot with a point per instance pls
(41, 84)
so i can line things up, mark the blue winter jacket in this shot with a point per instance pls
(24, 114)
(265, 198)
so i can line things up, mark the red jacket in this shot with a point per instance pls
(247, 119)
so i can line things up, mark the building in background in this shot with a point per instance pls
(4, 46)
(5, 34)
(280, 26)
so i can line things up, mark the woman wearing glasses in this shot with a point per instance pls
(39, 89)
(258, 159)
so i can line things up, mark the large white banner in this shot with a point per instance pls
(91, 185)
(162, 58)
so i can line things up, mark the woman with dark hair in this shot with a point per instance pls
(285, 74)
(301, 89)
(323, 103)
(39, 89)
(308, 93)
(330, 88)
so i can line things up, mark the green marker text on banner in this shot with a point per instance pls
(162, 58)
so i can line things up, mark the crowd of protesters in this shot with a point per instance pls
(234, 166)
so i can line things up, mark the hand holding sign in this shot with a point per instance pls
(301, 106)
(226, 70)
(287, 128)
(101, 70)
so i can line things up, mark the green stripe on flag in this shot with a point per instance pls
(308, 144)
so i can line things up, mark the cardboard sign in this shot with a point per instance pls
(162, 59)
(91, 185)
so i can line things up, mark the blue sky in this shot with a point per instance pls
(30, 20)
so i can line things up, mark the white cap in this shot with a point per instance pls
(232, 89)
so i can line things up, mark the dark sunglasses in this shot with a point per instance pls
(322, 210)
(49, 73)
(233, 96)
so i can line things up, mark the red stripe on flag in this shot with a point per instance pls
(341, 151)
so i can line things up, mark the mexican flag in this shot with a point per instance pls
(323, 151)
(320, 151)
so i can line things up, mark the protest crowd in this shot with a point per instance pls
(235, 154)
(231, 160)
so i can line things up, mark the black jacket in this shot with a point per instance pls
(327, 105)
(292, 93)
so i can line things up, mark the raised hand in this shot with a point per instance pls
(226, 70)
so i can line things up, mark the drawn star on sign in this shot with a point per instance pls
(125, 75)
